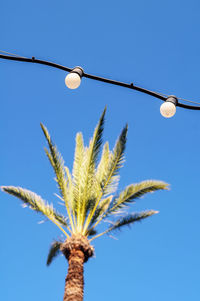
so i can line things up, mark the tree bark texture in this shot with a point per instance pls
(74, 281)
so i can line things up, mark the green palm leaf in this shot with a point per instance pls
(135, 191)
(89, 183)
(111, 178)
(36, 203)
(70, 191)
(102, 168)
(57, 163)
(126, 221)
(130, 219)
(77, 176)
(96, 141)
(54, 251)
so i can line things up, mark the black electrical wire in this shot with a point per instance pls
(160, 96)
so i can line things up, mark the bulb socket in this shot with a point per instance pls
(78, 70)
(172, 99)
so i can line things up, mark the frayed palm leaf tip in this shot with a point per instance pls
(89, 191)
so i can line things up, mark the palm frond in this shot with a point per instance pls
(102, 168)
(36, 203)
(127, 221)
(116, 162)
(89, 166)
(135, 191)
(96, 141)
(70, 192)
(130, 219)
(57, 163)
(54, 251)
(77, 167)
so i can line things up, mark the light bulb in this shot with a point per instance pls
(72, 80)
(168, 109)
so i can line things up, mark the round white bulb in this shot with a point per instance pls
(167, 109)
(72, 80)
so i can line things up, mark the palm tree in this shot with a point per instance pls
(89, 195)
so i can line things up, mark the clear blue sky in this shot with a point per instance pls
(154, 44)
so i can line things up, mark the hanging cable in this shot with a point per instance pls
(78, 73)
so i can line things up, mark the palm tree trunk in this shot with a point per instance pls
(74, 281)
